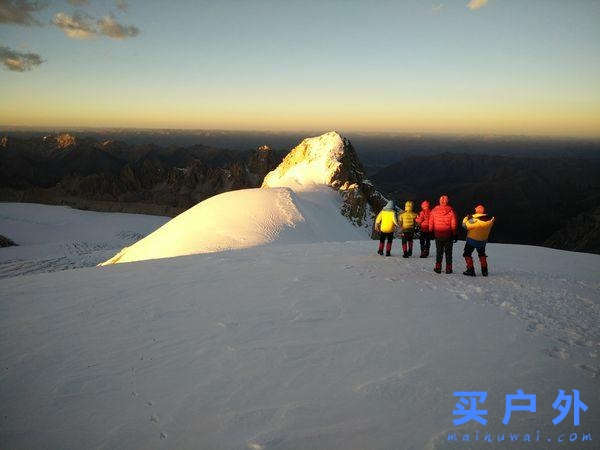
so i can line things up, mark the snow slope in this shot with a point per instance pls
(246, 218)
(295, 204)
(58, 237)
(323, 345)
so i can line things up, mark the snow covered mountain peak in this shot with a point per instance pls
(317, 160)
(330, 160)
(317, 194)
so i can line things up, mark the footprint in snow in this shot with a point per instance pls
(431, 286)
(534, 327)
(594, 372)
(559, 353)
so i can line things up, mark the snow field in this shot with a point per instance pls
(54, 238)
(324, 345)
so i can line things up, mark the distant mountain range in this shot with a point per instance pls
(542, 200)
(117, 176)
(377, 150)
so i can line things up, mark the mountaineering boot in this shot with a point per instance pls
(388, 249)
(405, 254)
(422, 255)
(470, 269)
(410, 246)
(438, 268)
(380, 251)
(484, 266)
(448, 268)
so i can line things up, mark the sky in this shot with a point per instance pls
(455, 66)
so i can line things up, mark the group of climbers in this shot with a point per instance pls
(441, 224)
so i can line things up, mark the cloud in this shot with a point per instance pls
(436, 9)
(76, 26)
(78, 2)
(81, 26)
(17, 61)
(476, 4)
(122, 5)
(19, 12)
(108, 26)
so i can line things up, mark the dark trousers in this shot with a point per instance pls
(407, 241)
(382, 238)
(469, 250)
(425, 241)
(443, 247)
(407, 236)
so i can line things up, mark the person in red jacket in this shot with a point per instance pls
(423, 221)
(443, 225)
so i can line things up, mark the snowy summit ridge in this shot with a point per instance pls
(317, 194)
(330, 159)
(315, 160)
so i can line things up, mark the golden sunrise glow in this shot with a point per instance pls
(548, 119)
(490, 67)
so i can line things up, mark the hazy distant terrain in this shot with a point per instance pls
(114, 175)
(544, 201)
(544, 191)
(375, 149)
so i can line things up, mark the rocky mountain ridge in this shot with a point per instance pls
(115, 176)
(541, 201)
(331, 159)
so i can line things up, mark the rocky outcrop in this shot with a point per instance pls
(360, 200)
(581, 233)
(65, 140)
(330, 159)
(6, 242)
(261, 162)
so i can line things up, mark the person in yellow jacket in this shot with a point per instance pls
(407, 222)
(478, 228)
(386, 223)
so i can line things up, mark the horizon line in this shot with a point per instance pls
(415, 133)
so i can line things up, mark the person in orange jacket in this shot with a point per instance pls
(386, 223)
(423, 221)
(478, 228)
(443, 225)
(407, 221)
